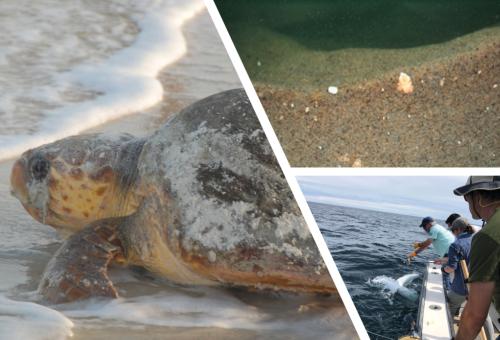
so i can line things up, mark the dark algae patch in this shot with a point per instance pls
(294, 50)
(307, 37)
(331, 25)
(386, 24)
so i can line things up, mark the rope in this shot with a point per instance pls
(382, 336)
(370, 316)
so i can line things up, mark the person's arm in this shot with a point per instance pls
(423, 245)
(449, 270)
(453, 259)
(441, 260)
(420, 247)
(476, 310)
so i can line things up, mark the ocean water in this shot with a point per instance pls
(369, 249)
(311, 44)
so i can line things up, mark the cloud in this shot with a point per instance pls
(404, 209)
(408, 195)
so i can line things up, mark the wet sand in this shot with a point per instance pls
(157, 333)
(450, 120)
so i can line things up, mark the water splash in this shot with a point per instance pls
(390, 287)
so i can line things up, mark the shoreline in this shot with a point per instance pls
(444, 122)
(179, 81)
(145, 95)
(124, 82)
(143, 123)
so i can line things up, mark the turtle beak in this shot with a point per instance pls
(18, 181)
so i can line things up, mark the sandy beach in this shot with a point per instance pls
(33, 243)
(449, 120)
(150, 307)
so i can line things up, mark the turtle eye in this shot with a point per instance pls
(39, 167)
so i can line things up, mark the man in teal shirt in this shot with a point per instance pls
(440, 238)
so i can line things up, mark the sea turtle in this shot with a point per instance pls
(200, 202)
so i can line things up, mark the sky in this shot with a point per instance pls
(407, 195)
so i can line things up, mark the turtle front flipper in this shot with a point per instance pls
(78, 269)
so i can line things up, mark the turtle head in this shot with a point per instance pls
(78, 180)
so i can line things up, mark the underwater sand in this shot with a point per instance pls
(450, 120)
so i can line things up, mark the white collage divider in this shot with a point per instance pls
(394, 171)
(285, 166)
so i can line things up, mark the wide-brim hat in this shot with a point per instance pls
(478, 183)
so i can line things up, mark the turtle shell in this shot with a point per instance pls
(221, 202)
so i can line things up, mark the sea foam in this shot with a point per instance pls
(27, 320)
(392, 286)
(124, 83)
(171, 309)
(206, 308)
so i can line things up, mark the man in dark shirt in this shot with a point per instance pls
(482, 193)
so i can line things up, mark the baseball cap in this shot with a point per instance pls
(426, 220)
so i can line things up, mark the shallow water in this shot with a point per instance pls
(370, 248)
(76, 65)
(313, 44)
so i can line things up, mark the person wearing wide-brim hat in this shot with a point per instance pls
(482, 193)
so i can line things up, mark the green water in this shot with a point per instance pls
(314, 43)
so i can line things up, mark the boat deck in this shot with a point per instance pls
(433, 313)
(434, 320)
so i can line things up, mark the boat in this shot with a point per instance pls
(434, 321)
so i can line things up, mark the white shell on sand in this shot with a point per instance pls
(404, 84)
(333, 89)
